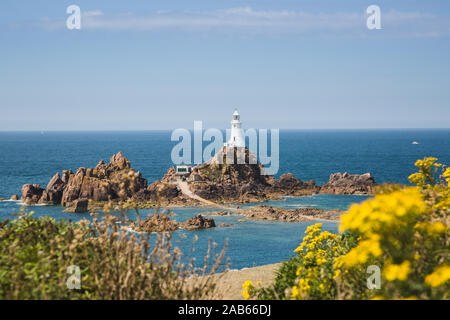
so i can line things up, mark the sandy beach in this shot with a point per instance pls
(229, 283)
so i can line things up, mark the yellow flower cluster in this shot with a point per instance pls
(397, 272)
(446, 175)
(361, 254)
(427, 171)
(247, 286)
(400, 231)
(432, 228)
(385, 210)
(383, 218)
(439, 277)
(318, 250)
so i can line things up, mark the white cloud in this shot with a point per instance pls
(94, 13)
(246, 19)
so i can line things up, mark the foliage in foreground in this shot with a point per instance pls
(37, 258)
(403, 232)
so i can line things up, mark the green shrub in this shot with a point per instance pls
(402, 231)
(36, 255)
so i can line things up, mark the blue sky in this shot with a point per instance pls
(289, 64)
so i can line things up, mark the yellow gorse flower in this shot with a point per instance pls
(446, 175)
(408, 224)
(247, 286)
(318, 250)
(405, 225)
(439, 276)
(431, 228)
(385, 210)
(400, 272)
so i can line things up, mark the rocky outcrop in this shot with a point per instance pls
(349, 184)
(269, 213)
(54, 192)
(159, 192)
(78, 206)
(218, 180)
(198, 222)
(169, 176)
(161, 222)
(288, 185)
(225, 225)
(115, 180)
(158, 222)
(218, 213)
(31, 193)
(242, 180)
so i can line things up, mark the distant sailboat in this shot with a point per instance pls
(415, 142)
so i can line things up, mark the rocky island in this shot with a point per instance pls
(221, 182)
(94, 186)
(213, 182)
(161, 222)
(269, 213)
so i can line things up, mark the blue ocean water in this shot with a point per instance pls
(34, 157)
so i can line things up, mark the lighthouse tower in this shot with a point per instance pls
(237, 139)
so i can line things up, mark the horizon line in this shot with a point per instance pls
(281, 129)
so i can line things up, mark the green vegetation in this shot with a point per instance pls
(35, 256)
(38, 258)
(403, 231)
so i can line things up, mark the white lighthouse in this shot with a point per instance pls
(237, 139)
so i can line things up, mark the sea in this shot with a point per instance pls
(389, 155)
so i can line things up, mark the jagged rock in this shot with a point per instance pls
(14, 197)
(169, 176)
(225, 225)
(106, 181)
(79, 206)
(349, 184)
(269, 213)
(208, 191)
(73, 187)
(31, 193)
(144, 195)
(287, 181)
(155, 223)
(53, 193)
(66, 175)
(195, 177)
(119, 162)
(89, 172)
(287, 184)
(218, 181)
(219, 213)
(198, 222)
(167, 191)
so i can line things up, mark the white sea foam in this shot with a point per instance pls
(128, 229)
(301, 205)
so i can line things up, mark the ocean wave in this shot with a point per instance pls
(9, 200)
(128, 229)
(300, 205)
(297, 197)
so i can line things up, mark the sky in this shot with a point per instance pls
(287, 64)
